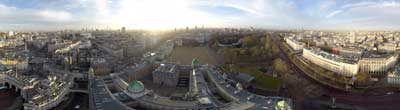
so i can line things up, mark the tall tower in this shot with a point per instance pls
(26, 45)
(352, 37)
(123, 29)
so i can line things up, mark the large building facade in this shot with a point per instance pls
(295, 45)
(348, 51)
(393, 78)
(377, 66)
(318, 57)
(166, 74)
(370, 65)
(100, 67)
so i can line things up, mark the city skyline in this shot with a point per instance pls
(199, 55)
(154, 14)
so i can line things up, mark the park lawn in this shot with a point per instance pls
(261, 81)
(185, 55)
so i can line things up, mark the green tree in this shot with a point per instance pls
(362, 77)
(255, 51)
(262, 40)
(249, 41)
(267, 42)
(230, 55)
(275, 50)
(280, 66)
(243, 51)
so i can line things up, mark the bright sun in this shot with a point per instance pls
(160, 14)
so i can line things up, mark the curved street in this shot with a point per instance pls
(358, 100)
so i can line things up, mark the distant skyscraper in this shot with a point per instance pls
(352, 37)
(10, 33)
(123, 29)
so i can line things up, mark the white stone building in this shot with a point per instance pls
(331, 62)
(388, 47)
(377, 65)
(295, 45)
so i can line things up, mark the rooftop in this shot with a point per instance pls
(333, 57)
(135, 86)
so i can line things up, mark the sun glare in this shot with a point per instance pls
(151, 14)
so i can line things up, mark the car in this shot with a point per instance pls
(390, 93)
(3, 87)
(77, 107)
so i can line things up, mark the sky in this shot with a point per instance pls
(169, 14)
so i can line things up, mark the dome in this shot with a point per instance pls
(135, 87)
(195, 62)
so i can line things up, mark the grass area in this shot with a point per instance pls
(261, 81)
(185, 55)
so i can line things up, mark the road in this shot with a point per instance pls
(366, 102)
(75, 99)
(285, 58)
(7, 97)
(102, 99)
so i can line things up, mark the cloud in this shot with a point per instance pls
(265, 13)
(54, 14)
(161, 14)
(156, 14)
(334, 13)
(359, 4)
(246, 9)
(16, 15)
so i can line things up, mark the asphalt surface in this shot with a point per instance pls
(79, 100)
(7, 98)
(102, 99)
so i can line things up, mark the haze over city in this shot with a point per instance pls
(170, 14)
